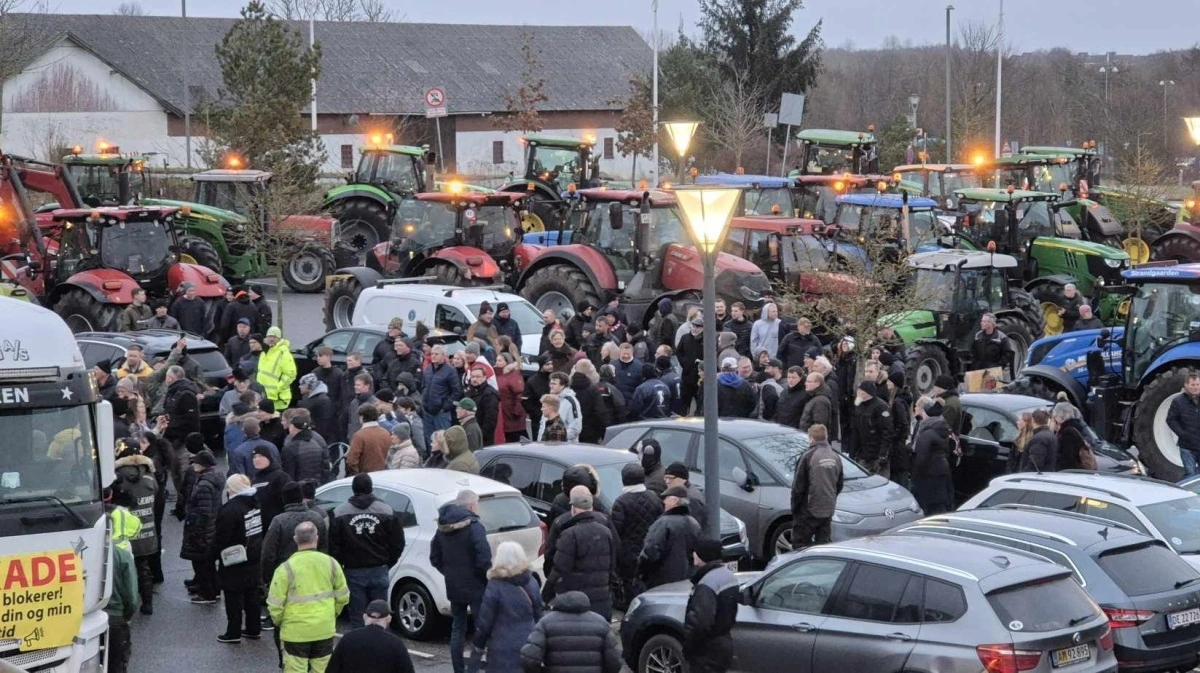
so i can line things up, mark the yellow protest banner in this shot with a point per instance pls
(41, 598)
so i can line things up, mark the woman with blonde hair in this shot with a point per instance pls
(1024, 433)
(511, 605)
(437, 450)
(588, 369)
(561, 353)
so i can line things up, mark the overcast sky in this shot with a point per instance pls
(1095, 26)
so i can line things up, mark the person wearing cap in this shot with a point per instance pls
(900, 402)
(667, 551)
(676, 474)
(307, 593)
(385, 349)
(136, 489)
(711, 612)
(465, 414)
(770, 387)
(815, 488)
(486, 413)
(188, 310)
(585, 555)
(370, 444)
(200, 525)
(764, 335)
(633, 512)
(277, 369)
(945, 389)
(691, 354)
(304, 455)
(367, 538)
(263, 316)
(249, 361)
(240, 524)
(314, 398)
(930, 477)
(460, 551)
(373, 648)
(237, 346)
(872, 428)
(233, 395)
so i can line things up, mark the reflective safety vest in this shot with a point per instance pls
(276, 371)
(125, 527)
(307, 593)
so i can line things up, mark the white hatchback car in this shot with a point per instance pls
(417, 592)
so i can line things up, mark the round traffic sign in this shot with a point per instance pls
(435, 97)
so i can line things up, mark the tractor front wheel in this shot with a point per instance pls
(1018, 334)
(1027, 305)
(560, 288)
(361, 226)
(926, 362)
(306, 268)
(1182, 249)
(1051, 297)
(340, 301)
(196, 250)
(1157, 445)
(83, 313)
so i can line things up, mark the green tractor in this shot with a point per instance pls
(829, 152)
(1037, 229)
(955, 288)
(108, 178)
(386, 175)
(553, 167)
(1054, 174)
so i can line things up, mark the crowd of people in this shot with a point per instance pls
(255, 536)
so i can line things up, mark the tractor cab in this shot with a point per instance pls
(1012, 217)
(397, 169)
(1080, 166)
(231, 189)
(109, 177)
(829, 152)
(794, 253)
(139, 242)
(761, 194)
(559, 162)
(1035, 173)
(633, 229)
(937, 181)
(816, 195)
(869, 219)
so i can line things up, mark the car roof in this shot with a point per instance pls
(1003, 401)
(433, 481)
(894, 201)
(737, 428)
(466, 295)
(1135, 490)
(1061, 530)
(566, 454)
(957, 560)
(149, 339)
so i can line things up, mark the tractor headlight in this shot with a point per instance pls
(1114, 263)
(1099, 281)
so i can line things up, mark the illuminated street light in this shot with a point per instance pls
(681, 134)
(1193, 127)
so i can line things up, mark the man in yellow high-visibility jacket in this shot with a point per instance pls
(277, 369)
(307, 593)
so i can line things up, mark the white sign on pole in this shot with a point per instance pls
(791, 109)
(435, 102)
(770, 120)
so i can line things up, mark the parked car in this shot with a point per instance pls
(417, 592)
(156, 343)
(1156, 508)
(536, 470)
(1150, 594)
(891, 603)
(758, 461)
(991, 430)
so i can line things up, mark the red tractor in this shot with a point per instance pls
(632, 245)
(795, 253)
(1181, 243)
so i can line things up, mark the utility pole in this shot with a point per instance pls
(1166, 134)
(187, 103)
(949, 152)
(312, 42)
(999, 75)
(654, 103)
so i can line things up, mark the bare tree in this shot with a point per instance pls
(129, 9)
(522, 107)
(735, 117)
(331, 10)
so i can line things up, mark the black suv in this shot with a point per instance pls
(156, 343)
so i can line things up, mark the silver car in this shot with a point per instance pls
(891, 603)
(758, 462)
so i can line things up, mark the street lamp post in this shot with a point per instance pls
(707, 212)
(949, 153)
(914, 101)
(1166, 134)
(681, 134)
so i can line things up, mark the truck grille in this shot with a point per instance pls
(37, 660)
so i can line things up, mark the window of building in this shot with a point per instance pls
(608, 148)
(497, 151)
(347, 156)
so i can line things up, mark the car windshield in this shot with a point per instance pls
(783, 449)
(1178, 521)
(48, 453)
(527, 317)
(1161, 315)
(557, 165)
(763, 201)
(138, 248)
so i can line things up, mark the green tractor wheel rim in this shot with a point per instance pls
(532, 223)
(1054, 322)
(185, 258)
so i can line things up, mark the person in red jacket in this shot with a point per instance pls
(512, 391)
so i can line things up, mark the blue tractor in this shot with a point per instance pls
(869, 224)
(1124, 378)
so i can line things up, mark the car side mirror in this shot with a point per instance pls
(746, 595)
(616, 216)
(742, 479)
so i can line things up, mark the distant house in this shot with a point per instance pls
(120, 79)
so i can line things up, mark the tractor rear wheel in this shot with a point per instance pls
(543, 216)
(560, 288)
(362, 224)
(212, 316)
(1017, 332)
(1032, 387)
(1182, 249)
(196, 250)
(1026, 304)
(306, 268)
(340, 301)
(83, 313)
(1050, 297)
(1157, 446)
(926, 362)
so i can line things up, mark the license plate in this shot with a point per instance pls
(1070, 655)
(732, 566)
(1178, 620)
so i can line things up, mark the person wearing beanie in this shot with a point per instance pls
(263, 317)
(269, 480)
(677, 474)
(872, 428)
(249, 361)
(239, 523)
(506, 325)
(819, 406)
(649, 451)
(900, 402)
(945, 388)
(483, 330)
(304, 454)
(652, 398)
(711, 611)
(276, 368)
(367, 538)
(200, 525)
(664, 324)
(582, 317)
(316, 399)
(278, 545)
(633, 512)
(238, 312)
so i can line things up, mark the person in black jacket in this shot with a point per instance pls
(711, 612)
(239, 522)
(385, 350)
(234, 312)
(269, 480)
(900, 456)
(1183, 418)
(575, 326)
(374, 648)
(136, 490)
(789, 410)
(237, 345)
(314, 397)
(690, 354)
(931, 481)
(367, 539)
(188, 311)
(591, 408)
(537, 384)
(570, 638)
(615, 404)
(741, 326)
(263, 318)
(487, 404)
(200, 526)
(667, 550)
(991, 347)
(1041, 453)
(736, 397)
(585, 556)
(872, 428)
(181, 417)
(633, 512)
(796, 345)
(460, 552)
(402, 361)
(304, 454)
